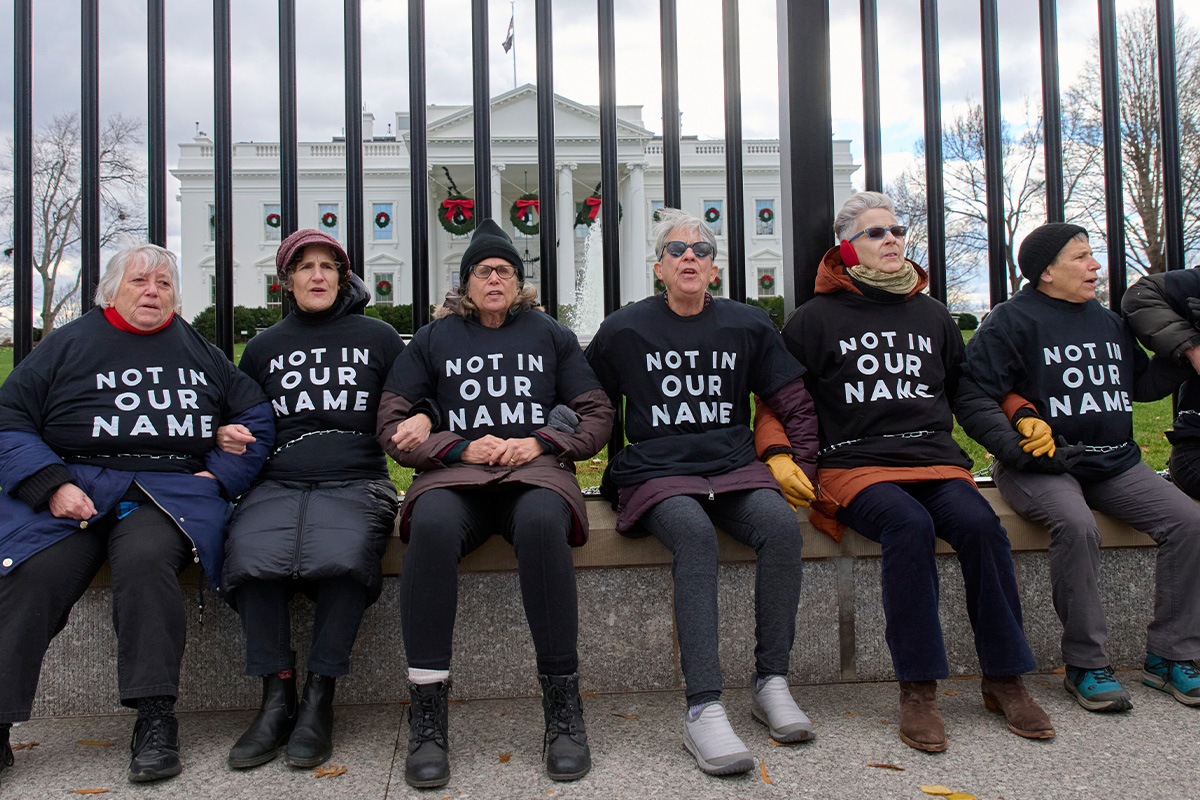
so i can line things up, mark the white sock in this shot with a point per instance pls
(423, 677)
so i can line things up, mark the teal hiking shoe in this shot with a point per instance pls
(1096, 689)
(1180, 679)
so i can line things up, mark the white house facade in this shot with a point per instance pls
(387, 197)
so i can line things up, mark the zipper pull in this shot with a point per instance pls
(195, 556)
(711, 496)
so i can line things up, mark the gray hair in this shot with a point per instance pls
(671, 218)
(853, 208)
(457, 302)
(148, 257)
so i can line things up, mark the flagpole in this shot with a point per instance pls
(512, 17)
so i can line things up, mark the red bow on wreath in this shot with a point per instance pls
(523, 207)
(455, 207)
(593, 204)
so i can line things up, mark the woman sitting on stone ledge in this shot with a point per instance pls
(685, 364)
(503, 461)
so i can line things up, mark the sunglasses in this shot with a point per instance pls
(701, 250)
(484, 271)
(878, 233)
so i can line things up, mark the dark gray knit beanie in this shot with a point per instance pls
(1042, 246)
(489, 241)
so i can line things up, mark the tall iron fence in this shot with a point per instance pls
(806, 156)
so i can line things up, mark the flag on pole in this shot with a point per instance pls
(508, 40)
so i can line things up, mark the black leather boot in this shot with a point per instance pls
(428, 762)
(155, 742)
(270, 729)
(565, 747)
(6, 753)
(311, 743)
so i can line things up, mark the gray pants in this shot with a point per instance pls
(760, 518)
(1146, 502)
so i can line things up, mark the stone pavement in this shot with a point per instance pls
(1149, 752)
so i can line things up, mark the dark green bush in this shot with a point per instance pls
(966, 321)
(246, 322)
(772, 305)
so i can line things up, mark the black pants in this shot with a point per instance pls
(146, 552)
(263, 606)
(447, 524)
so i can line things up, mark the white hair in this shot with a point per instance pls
(148, 258)
(671, 218)
(853, 208)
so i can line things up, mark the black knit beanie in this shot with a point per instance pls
(1042, 246)
(489, 241)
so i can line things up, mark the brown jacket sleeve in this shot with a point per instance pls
(768, 430)
(595, 425)
(393, 409)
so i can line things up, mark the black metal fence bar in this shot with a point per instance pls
(1051, 111)
(609, 208)
(354, 136)
(993, 152)
(868, 14)
(1169, 105)
(735, 216)
(547, 205)
(22, 257)
(1110, 112)
(418, 162)
(289, 157)
(156, 123)
(89, 156)
(483, 109)
(806, 149)
(935, 192)
(223, 176)
(669, 39)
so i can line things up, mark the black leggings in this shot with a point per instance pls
(447, 524)
(146, 552)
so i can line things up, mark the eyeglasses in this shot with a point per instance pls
(878, 233)
(484, 271)
(701, 250)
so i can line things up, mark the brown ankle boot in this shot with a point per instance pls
(1006, 695)
(920, 721)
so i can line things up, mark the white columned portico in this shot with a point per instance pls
(566, 233)
(633, 263)
(499, 212)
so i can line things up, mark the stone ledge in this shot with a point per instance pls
(607, 548)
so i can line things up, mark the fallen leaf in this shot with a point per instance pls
(886, 766)
(849, 714)
(936, 791)
(1043, 683)
(88, 791)
(25, 746)
(94, 744)
(505, 713)
(885, 722)
(960, 796)
(329, 772)
(763, 769)
(505, 758)
(774, 743)
(625, 716)
(1060, 671)
(951, 694)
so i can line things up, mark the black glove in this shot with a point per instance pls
(563, 419)
(1064, 458)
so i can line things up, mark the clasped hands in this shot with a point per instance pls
(797, 488)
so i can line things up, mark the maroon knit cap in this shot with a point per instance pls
(289, 250)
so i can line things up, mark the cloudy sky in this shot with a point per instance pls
(385, 60)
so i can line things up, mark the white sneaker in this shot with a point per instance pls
(773, 706)
(709, 738)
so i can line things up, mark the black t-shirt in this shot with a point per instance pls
(689, 375)
(106, 397)
(1078, 363)
(882, 370)
(324, 375)
(500, 381)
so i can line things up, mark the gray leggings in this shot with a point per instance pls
(760, 518)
